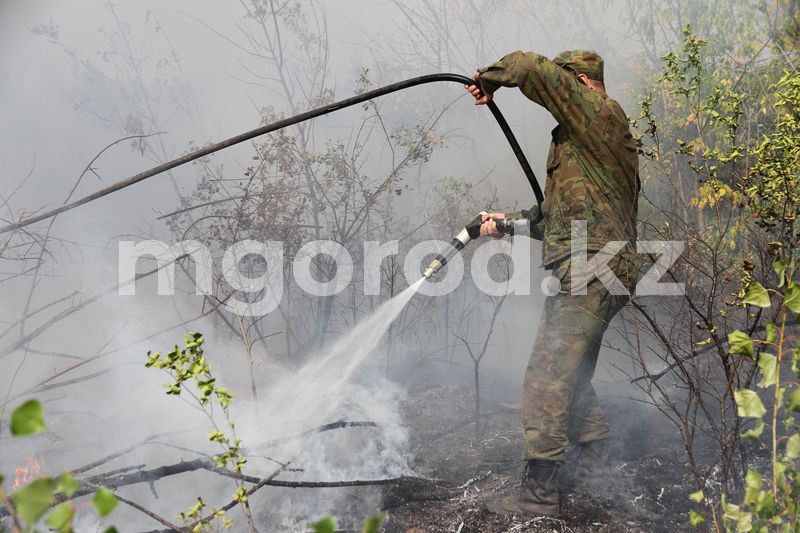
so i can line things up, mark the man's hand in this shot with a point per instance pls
(475, 90)
(488, 226)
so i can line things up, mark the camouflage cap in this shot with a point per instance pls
(586, 62)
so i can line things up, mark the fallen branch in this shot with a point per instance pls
(475, 479)
(325, 427)
(400, 489)
(228, 506)
(112, 456)
(117, 481)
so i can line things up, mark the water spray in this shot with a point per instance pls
(469, 232)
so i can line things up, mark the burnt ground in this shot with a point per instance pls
(645, 492)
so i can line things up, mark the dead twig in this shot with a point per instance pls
(325, 427)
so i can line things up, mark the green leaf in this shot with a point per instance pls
(780, 270)
(67, 485)
(111, 529)
(104, 501)
(793, 401)
(754, 432)
(740, 343)
(793, 446)
(60, 518)
(792, 298)
(744, 522)
(757, 295)
(697, 497)
(28, 419)
(772, 333)
(34, 499)
(373, 523)
(779, 470)
(765, 504)
(704, 342)
(767, 362)
(796, 362)
(695, 518)
(326, 525)
(748, 404)
(752, 484)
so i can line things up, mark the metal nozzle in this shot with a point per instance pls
(470, 231)
(433, 268)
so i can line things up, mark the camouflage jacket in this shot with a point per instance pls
(592, 166)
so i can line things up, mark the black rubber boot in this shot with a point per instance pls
(593, 461)
(538, 494)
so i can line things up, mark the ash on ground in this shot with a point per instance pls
(646, 491)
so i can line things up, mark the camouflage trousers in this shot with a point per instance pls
(559, 404)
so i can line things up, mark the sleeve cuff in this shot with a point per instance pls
(487, 87)
(536, 230)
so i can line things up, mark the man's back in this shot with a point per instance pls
(592, 167)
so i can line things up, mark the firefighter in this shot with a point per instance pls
(592, 176)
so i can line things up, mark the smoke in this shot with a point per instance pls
(68, 100)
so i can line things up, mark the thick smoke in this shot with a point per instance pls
(91, 73)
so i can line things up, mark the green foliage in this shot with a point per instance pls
(748, 404)
(733, 514)
(706, 181)
(772, 333)
(771, 187)
(744, 191)
(695, 518)
(767, 363)
(770, 503)
(29, 504)
(757, 295)
(32, 500)
(61, 518)
(104, 501)
(793, 446)
(793, 401)
(740, 343)
(326, 525)
(66, 485)
(755, 432)
(371, 525)
(780, 269)
(791, 298)
(27, 419)
(187, 366)
(685, 71)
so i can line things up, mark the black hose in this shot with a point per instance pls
(369, 95)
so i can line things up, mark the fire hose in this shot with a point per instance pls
(363, 97)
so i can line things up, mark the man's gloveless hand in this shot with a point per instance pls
(488, 225)
(475, 90)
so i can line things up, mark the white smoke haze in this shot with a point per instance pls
(94, 72)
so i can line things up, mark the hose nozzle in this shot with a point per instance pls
(435, 266)
(470, 231)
